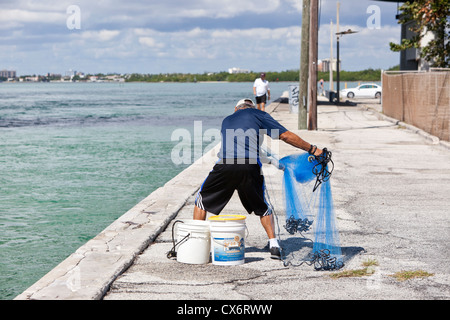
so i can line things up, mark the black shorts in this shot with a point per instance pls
(224, 179)
(261, 99)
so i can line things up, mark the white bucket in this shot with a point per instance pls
(194, 240)
(227, 239)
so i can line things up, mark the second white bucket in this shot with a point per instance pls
(227, 239)
(195, 242)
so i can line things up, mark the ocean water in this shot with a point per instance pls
(76, 156)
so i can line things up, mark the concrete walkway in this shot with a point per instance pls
(391, 190)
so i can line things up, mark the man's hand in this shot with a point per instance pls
(318, 152)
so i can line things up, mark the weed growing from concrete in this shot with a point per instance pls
(367, 271)
(406, 275)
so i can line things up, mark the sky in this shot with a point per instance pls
(187, 36)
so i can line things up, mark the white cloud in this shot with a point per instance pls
(256, 48)
(181, 36)
(102, 35)
(150, 42)
(368, 48)
(16, 16)
(223, 8)
(297, 5)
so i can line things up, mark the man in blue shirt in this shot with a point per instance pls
(239, 166)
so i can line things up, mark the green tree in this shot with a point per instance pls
(427, 15)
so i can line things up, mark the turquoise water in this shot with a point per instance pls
(76, 156)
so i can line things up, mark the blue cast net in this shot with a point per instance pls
(309, 207)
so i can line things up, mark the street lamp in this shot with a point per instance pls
(349, 31)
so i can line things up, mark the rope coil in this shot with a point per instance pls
(320, 169)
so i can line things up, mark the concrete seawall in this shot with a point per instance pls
(88, 272)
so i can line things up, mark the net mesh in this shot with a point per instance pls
(308, 210)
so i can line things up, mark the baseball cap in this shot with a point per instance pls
(248, 102)
(262, 74)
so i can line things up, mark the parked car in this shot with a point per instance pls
(366, 90)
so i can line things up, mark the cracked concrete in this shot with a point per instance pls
(391, 206)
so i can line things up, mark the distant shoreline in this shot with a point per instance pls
(175, 82)
(217, 81)
(368, 75)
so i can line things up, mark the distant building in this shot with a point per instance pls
(29, 78)
(114, 78)
(7, 74)
(410, 58)
(326, 65)
(237, 70)
(53, 76)
(71, 73)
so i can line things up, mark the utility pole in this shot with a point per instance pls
(304, 67)
(337, 54)
(313, 55)
(331, 56)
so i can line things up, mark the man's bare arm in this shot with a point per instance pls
(294, 140)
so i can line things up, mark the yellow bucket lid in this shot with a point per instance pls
(227, 217)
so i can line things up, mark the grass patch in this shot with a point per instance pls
(406, 275)
(370, 263)
(351, 273)
(367, 271)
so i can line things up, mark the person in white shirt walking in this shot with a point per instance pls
(261, 91)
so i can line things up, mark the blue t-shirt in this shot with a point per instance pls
(243, 133)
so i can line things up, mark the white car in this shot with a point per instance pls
(366, 90)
